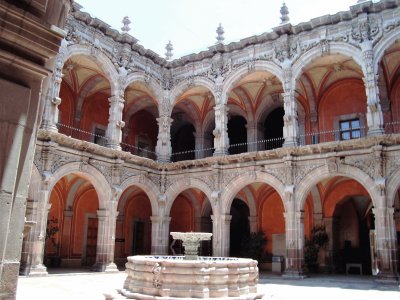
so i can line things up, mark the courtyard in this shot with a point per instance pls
(85, 285)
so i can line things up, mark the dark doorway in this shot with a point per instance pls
(91, 242)
(240, 227)
(353, 222)
(273, 129)
(237, 134)
(182, 139)
(138, 238)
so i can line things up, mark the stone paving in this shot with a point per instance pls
(84, 285)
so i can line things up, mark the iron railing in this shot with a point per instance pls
(262, 145)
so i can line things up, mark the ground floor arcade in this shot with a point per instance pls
(77, 218)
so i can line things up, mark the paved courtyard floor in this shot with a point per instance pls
(84, 285)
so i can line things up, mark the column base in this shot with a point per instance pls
(51, 128)
(294, 274)
(375, 131)
(220, 153)
(387, 278)
(290, 143)
(103, 267)
(114, 146)
(36, 271)
(163, 159)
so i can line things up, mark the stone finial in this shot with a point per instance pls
(284, 14)
(169, 48)
(126, 23)
(220, 37)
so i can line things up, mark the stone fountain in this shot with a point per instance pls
(191, 276)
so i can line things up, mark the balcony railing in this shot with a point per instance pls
(262, 145)
(102, 141)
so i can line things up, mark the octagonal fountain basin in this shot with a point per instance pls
(173, 277)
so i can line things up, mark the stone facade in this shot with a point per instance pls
(364, 34)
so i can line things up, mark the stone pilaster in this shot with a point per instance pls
(35, 241)
(106, 239)
(374, 110)
(386, 244)
(294, 225)
(159, 235)
(52, 99)
(291, 126)
(251, 137)
(115, 123)
(221, 139)
(164, 148)
(253, 221)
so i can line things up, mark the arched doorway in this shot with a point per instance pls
(133, 230)
(72, 226)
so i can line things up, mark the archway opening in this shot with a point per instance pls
(133, 229)
(183, 142)
(84, 93)
(341, 210)
(72, 226)
(237, 134)
(140, 113)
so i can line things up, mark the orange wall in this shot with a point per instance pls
(271, 218)
(139, 208)
(182, 215)
(143, 123)
(87, 203)
(344, 97)
(339, 192)
(94, 110)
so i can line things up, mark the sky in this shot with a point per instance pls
(190, 25)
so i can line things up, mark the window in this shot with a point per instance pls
(99, 136)
(350, 129)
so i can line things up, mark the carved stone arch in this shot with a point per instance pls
(88, 172)
(182, 185)
(85, 91)
(248, 114)
(152, 84)
(392, 184)
(334, 48)
(193, 200)
(184, 85)
(385, 43)
(35, 184)
(236, 75)
(231, 190)
(262, 114)
(251, 202)
(146, 185)
(324, 172)
(101, 60)
(72, 192)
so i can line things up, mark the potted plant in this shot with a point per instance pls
(51, 230)
(319, 238)
(253, 246)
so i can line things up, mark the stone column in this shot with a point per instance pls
(106, 240)
(115, 123)
(251, 137)
(386, 244)
(52, 99)
(374, 110)
(199, 142)
(66, 235)
(164, 148)
(221, 139)
(294, 226)
(291, 126)
(221, 234)
(159, 235)
(253, 221)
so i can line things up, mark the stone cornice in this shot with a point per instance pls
(367, 7)
(302, 153)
